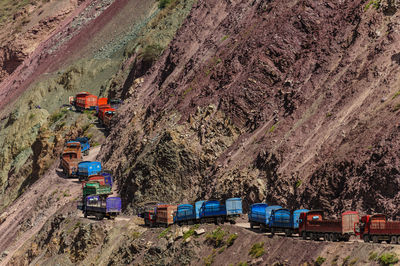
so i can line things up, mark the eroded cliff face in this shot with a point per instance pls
(289, 102)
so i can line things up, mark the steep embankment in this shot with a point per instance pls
(289, 102)
(90, 50)
(73, 240)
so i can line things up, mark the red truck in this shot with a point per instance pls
(70, 158)
(377, 228)
(314, 226)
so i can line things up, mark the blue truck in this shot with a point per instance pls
(259, 215)
(215, 211)
(85, 145)
(274, 218)
(101, 207)
(87, 168)
(285, 221)
(188, 214)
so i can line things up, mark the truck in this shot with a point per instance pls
(85, 145)
(85, 101)
(165, 214)
(100, 207)
(103, 179)
(314, 226)
(259, 215)
(285, 221)
(377, 228)
(188, 213)
(88, 168)
(94, 188)
(70, 159)
(105, 115)
(214, 211)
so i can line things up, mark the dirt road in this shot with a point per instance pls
(25, 218)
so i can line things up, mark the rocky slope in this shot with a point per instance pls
(77, 241)
(289, 102)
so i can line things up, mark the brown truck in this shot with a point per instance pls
(70, 158)
(165, 214)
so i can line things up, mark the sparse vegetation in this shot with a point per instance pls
(328, 114)
(221, 249)
(163, 3)
(320, 260)
(387, 259)
(242, 264)
(374, 3)
(135, 235)
(224, 38)
(346, 260)
(298, 183)
(189, 233)
(164, 233)
(216, 237)
(373, 255)
(353, 261)
(231, 239)
(31, 116)
(396, 95)
(210, 258)
(151, 53)
(335, 259)
(272, 129)
(257, 250)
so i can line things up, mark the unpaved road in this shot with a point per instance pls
(25, 218)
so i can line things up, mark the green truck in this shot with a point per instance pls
(95, 189)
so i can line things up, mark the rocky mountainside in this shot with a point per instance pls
(290, 102)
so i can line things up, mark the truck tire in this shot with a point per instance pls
(272, 231)
(366, 238)
(251, 225)
(398, 239)
(312, 236)
(288, 232)
(326, 237)
(375, 239)
(331, 237)
(393, 239)
(304, 235)
(85, 214)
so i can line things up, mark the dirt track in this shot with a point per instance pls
(28, 214)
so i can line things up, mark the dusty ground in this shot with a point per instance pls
(26, 216)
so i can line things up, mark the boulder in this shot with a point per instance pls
(199, 231)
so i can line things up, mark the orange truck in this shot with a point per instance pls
(86, 101)
(105, 114)
(70, 158)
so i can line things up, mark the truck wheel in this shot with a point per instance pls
(85, 214)
(312, 236)
(375, 239)
(366, 238)
(251, 225)
(272, 231)
(288, 232)
(331, 237)
(398, 239)
(393, 240)
(304, 235)
(262, 228)
(326, 237)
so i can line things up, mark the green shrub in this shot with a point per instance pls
(374, 3)
(55, 117)
(231, 239)
(163, 3)
(31, 116)
(353, 261)
(373, 255)
(221, 249)
(216, 237)
(388, 259)
(242, 264)
(257, 250)
(320, 261)
(164, 233)
(189, 233)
